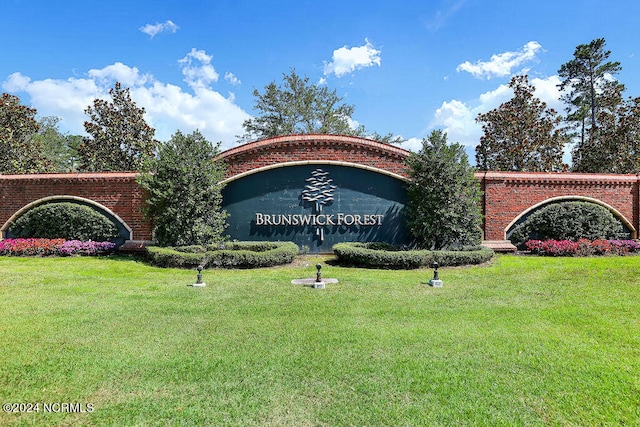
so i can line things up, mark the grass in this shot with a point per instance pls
(522, 341)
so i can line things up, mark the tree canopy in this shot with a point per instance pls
(120, 139)
(592, 96)
(522, 134)
(297, 106)
(444, 197)
(20, 152)
(183, 185)
(60, 149)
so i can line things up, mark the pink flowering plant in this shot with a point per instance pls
(77, 247)
(582, 247)
(47, 247)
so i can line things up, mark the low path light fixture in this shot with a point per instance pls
(199, 283)
(317, 283)
(435, 282)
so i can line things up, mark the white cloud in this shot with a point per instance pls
(168, 107)
(232, 79)
(502, 64)
(457, 118)
(66, 99)
(120, 72)
(442, 16)
(165, 27)
(548, 91)
(346, 59)
(412, 144)
(197, 69)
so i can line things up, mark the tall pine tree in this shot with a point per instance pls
(590, 93)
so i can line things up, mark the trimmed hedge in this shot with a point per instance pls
(231, 255)
(571, 220)
(375, 255)
(65, 220)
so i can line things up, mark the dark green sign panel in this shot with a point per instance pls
(317, 206)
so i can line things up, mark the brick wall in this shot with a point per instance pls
(118, 192)
(507, 194)
(298, 148)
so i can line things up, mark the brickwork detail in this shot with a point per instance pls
(507, 195)
(333, 148)
(118, 192)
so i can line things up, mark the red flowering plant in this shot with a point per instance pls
(601, 247)
(535, 246)
(30, 247)
(46, 247)
(582, 247)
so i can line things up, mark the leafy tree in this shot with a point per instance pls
(444, 196)
(628, 137)
(599, 151)
(522, 134)
(61, 150)
(184, 193)
(19, 151)
(588, 84)
(300, 107)
(120, 138)
(297, 106)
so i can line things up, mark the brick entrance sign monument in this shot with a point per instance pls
(317, 190)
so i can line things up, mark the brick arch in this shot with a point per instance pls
(314, 162)
(62, 198)
(115, 192)
(326, 148)
(616, 213)
(509, 195)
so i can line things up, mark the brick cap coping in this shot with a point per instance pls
(499, 245)
(314, 138)
(568, 177)
(72, 175)
(314, 162)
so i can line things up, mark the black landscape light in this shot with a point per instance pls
(435, 282)
(199, 283)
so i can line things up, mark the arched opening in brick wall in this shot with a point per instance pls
(123, 228)
(571, 198)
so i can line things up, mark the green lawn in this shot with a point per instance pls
(522, 341)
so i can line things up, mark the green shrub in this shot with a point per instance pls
(370, 255)
(444, 207)
(183, 186)
(65, 220)
(568, 221)
(231, 255)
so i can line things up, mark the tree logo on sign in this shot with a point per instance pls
(319, 192)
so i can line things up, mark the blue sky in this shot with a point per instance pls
(408, 67)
